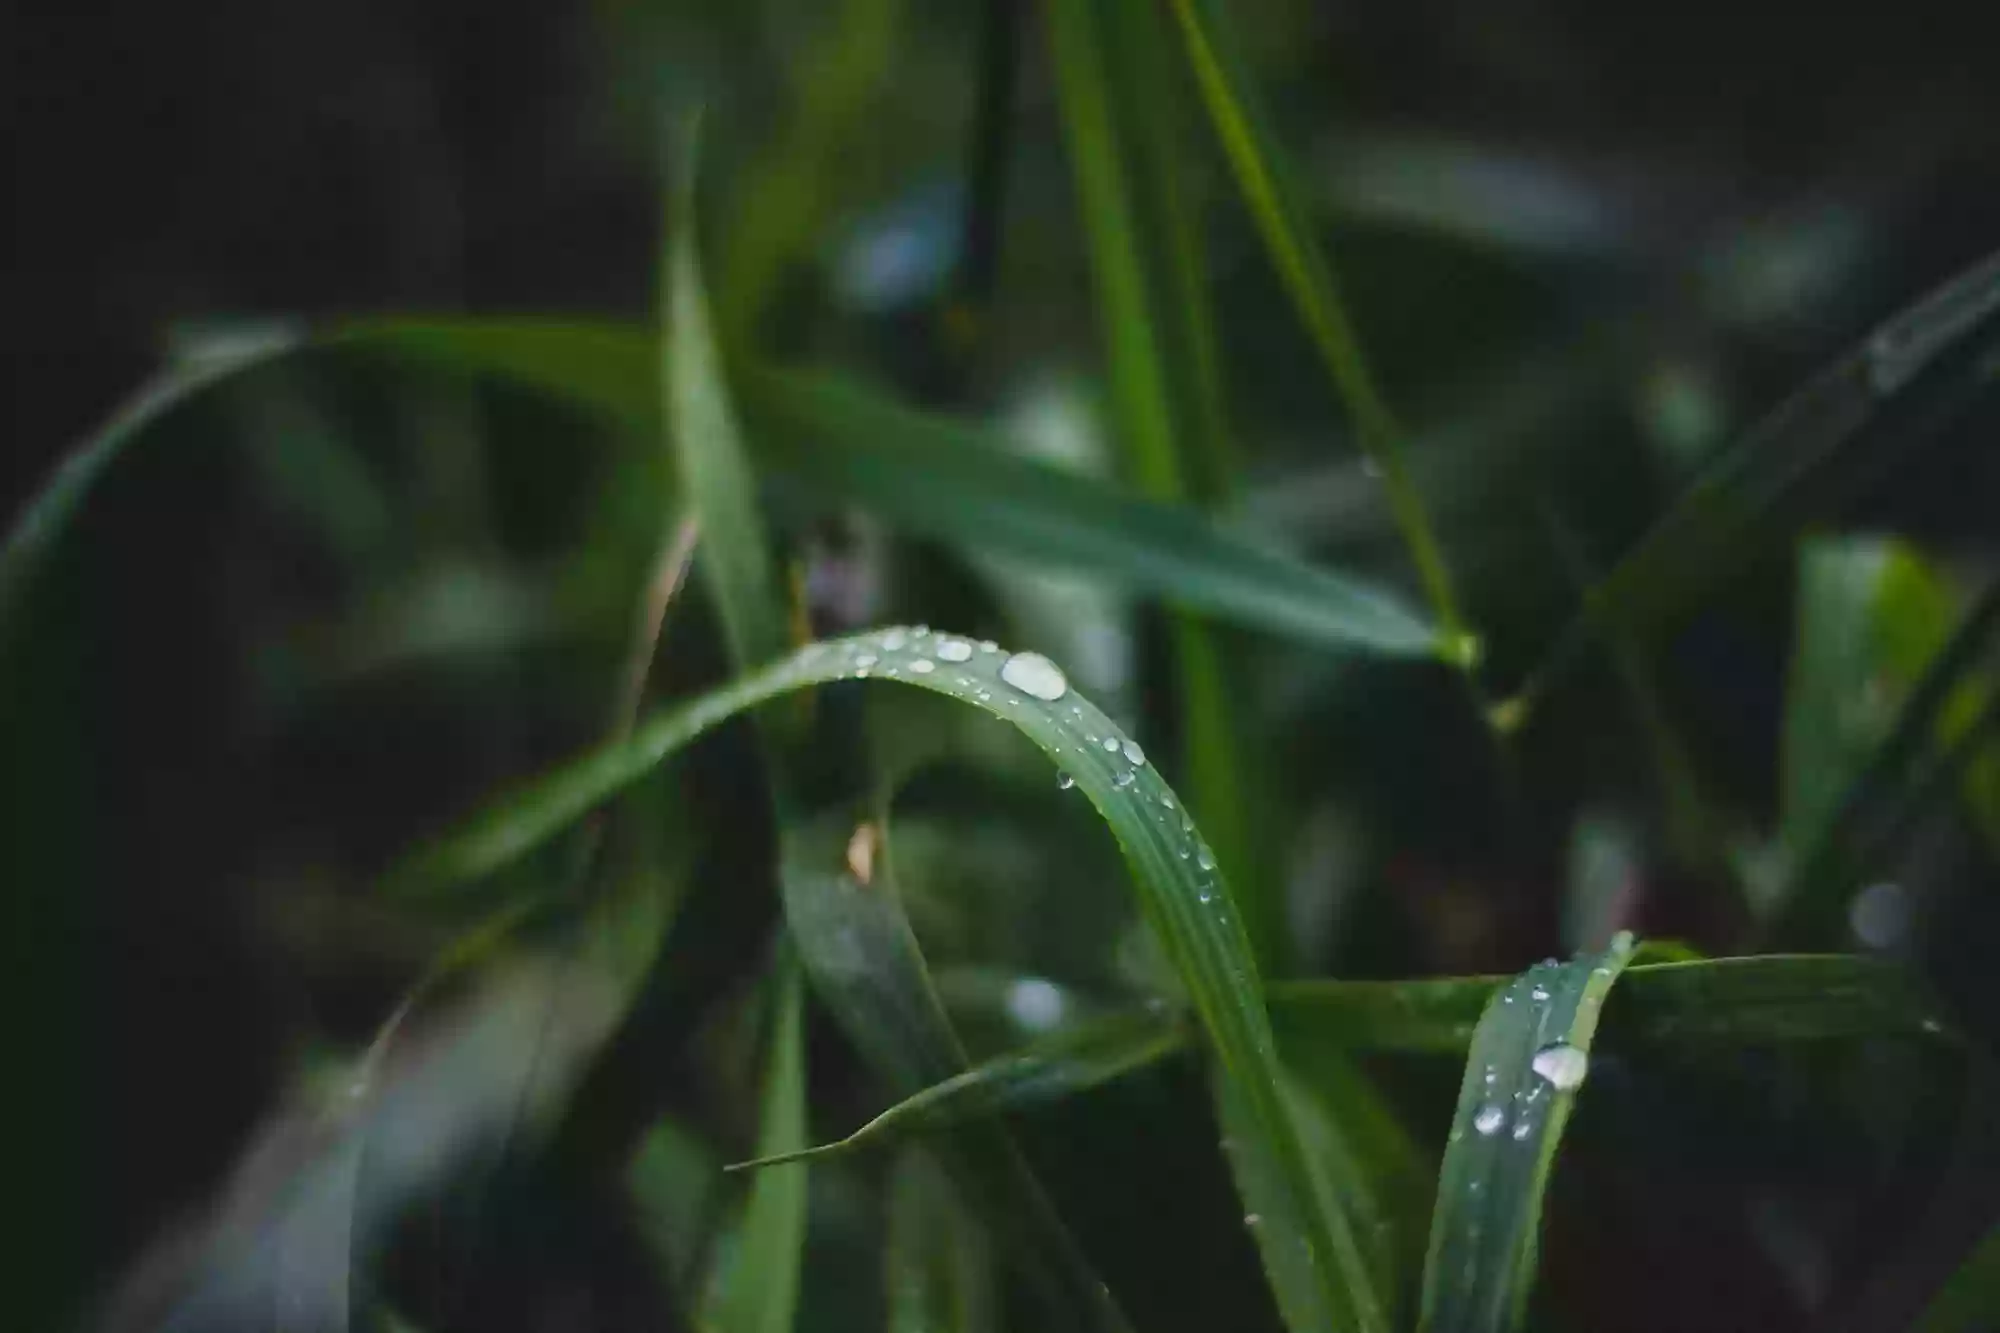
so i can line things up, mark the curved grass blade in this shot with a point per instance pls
(1529, 1056)
(1813, 434)
(1180, 894)
(1277, 207)
(1072, 1062)
(758, 1289)
(842, 444)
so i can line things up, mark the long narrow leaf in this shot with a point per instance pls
(1528, 1059)
(1180, 893)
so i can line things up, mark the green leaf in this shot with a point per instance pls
(1180, 894)
(758, 1290)
(1528, 1058)
(1833, 434)
(847, 917)
(1071, 1062)
(936, 1270)
(1277, 207)
(1172, 423)
(1970, 1301)
(721, 487)
(1767, 999)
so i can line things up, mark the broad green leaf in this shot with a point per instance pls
(1529, 1057)
(1118, 114)
(1071, 1062)
(1180, 894)
(1278, 209)
(937, 1274)
(757, 1290)
(1930, 358)
(840, 444)
(1970, 1301)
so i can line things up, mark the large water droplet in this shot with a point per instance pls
(1032, 674)
(1204, 857)
(1488, 1120)
(923, 666)
(1133, 754)
(1064, 781)
(1035, 1004)
(1123, 780)
(1562, 1064)
(894, 640)
(954, 650)
(1167, 799)
(1539, 993)
(1111, 745)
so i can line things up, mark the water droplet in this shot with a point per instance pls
(1539, 993)
(1184, 853)
(921, 630)
(1123, 780)
(1204, 857)
(1522, 1129)
(1133, 754)
(1203, 893)
(1488, 1120)
(1064, 781)
(988, 646)
(1253, 1219)
(923, 666)
(954, 650)
(865, 661)
(1931, 1025)
(1033, 674)
(1167, 799)
(985, 696)
(1035, 1004)
(894, 640)
(861, 674)
(1562, 1064)
(1491, 1074)
(1111, 745)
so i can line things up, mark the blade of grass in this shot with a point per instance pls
(758, 1290)
(1941, 348)
(851, 934)
(1528, 1059)
(1180, 894)
(1071, 1062)
(1166, 386)
(936, 1272)
(1277, 207)
(840, 444)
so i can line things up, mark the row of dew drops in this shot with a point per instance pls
(1559, 1066)
(920, 652)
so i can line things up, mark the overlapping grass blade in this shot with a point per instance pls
(1071, 1062)
(1277, 207)
(1940, 349)
(841, 444)
(1118, 112)
(1529, 1057)
(1174, 876)
(757, 1291)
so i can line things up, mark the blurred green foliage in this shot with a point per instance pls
(1491, 483)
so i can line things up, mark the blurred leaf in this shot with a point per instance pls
(936, 1268)
(1936, 737)
(758, 1288)
(1118, 114)
(1071, 1062)
(1229, 90)
(844, 911)
(1970, 1301)
(1180, 894)
(1528, 1059)
(1826, 435)
(673, 1182)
